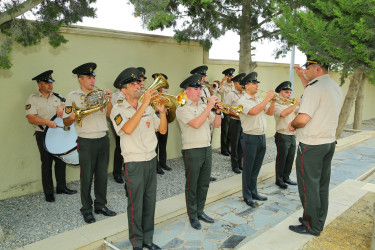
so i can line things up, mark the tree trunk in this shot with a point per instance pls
(246, 63)
(359, 104)
(350, 97)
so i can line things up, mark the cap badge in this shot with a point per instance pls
(132, 75)
(90, 70)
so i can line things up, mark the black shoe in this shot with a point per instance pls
(236, 170)
(205, 218)
(225, 153)
(105, 211)
(165, 167)
(301, 230)
(300, 219)
(290, 182)
(66, 191)
(118, 179)
(241, 168)
(212, 178)
(151, 246)
(195, 224)
(50, 198)
(281, 184)
(259, 197)
(159, 170)
(250, 202)
(88, 218)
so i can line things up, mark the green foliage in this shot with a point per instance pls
(206, 20)
(49, 16)
(336, 32)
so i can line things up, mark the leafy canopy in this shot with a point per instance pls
(49, 16)
(336, 32)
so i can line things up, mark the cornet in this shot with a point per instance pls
(229, 110)
(279, 99)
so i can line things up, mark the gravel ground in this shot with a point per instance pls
(29, 218)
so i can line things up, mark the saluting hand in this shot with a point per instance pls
(299, 71)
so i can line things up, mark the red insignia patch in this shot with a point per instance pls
(148, 124)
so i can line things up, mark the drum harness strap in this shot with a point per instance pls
(61, 99)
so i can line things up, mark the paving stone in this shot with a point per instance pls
(208, 245)
(260, 221)
(123, 244)
(219, 226)
(176, 242)
(193, 243)
(223, 210)
(197, 235)
(282, 208)
(243, 229)
(233, 219)
(271, 209)
(216, 236)
(167, 237)
(248, 211)
(178, 226)
(241, 209)
(232, 241)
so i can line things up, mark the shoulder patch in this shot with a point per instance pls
(68, 109)
(118, 119)
(28, 106)
(120, 101)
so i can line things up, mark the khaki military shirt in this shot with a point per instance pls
(45, 108)
(322, 100)
(191, 137)
(282, 122)
(225, 90)
(117, 97)
(94, 125)
(232, 99)
(252, 124)
(139, 145)
(205, 92)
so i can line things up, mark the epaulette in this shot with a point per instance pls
(311, 83)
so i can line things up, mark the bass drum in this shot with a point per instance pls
(62, 143)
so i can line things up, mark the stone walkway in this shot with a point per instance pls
(237, 224)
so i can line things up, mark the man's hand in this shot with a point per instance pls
(60, 111)
(51, 124)
(299, 71)
(149, 94)
(292, 129)
(212, 101)
(298, 100)
(108, 94)
(270, 95)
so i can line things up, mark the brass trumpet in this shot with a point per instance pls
(229, 110)
(279, 99)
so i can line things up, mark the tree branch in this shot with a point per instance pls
(22, 8)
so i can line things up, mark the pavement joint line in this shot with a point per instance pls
(116, 230)
(366, 174)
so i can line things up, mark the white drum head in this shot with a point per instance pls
(72, 158)
(58, 141)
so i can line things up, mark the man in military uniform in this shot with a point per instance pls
(161, 147)
(235, 129)
(136, 123)
(117, 97)
(93, 143)
(142, 76)
(285, 140)
(253, 122)
(315, 127)
(40, 108)
(205, 93)
(194, 119)
(225, 89)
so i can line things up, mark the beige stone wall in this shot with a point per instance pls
(113, 51)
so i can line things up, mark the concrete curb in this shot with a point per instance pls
(92, 236)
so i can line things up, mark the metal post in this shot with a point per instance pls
(291, 70)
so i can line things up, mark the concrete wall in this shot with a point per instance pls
(113, 51)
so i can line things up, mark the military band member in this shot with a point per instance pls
(225, 88)
(285, 140)
(194, 119)
(118, 161)
(136, 123)
(253, 122)
(40, 108)
(93, 143)
(161, 147)
(235, 129)
(205, 93)
(142, 76)
(315, 127)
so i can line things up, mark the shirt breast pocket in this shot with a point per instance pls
(146, 122)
